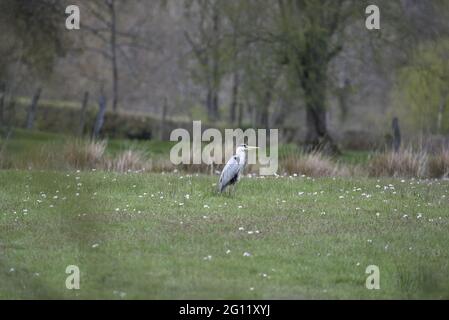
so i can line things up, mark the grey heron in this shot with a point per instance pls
(234, 168)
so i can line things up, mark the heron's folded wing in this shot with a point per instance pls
(230, 170)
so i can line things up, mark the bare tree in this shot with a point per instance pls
(206, 43)
(110, 39)
(113, 44)
(236, 81)
(235, 97)
(310, 30)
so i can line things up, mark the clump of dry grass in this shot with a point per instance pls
(129, 160)
(405, 163)
(312, 164)
(438, 164)
(194, 168)
(161, 165)
(82, 154)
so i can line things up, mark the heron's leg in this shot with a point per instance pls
(234, 189)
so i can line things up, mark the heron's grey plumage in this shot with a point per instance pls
(230, 173)
(234, 168)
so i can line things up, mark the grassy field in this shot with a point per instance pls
(156, 236)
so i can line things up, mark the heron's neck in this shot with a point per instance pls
(242, 156)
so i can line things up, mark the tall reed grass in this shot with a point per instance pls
(87, 154)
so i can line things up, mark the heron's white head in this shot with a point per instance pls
(243, 147)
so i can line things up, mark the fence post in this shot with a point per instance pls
(396, 135)
(164, 119)
(100, 116)
(33, 108)
(82, 123)
(2, 103)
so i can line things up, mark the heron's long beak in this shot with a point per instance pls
(249, 148)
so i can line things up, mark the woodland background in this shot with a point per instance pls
(309, 68)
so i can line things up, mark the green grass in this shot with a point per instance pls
(310, 245)
(353, 157)
(25, 146)
(22, 141)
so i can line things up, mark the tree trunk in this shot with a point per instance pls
(212, 103)
(279, 115)
(396, 135)
(313, 79)
(113, 43)
(100, 117)
(215, 111)
(240, 115)
(253, 114)
(441, 110)
(83, 111)
(11, 111)
(32, 109)
(209, 102)
(264, 116)
(164, 119)
(216, 65)
(317, 136)
(2, 104)
(234, 101)
(343, 95)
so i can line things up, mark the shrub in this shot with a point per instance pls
(438, 165)
(312, 164)
(361, 140)
(129, 160)
(82, 154)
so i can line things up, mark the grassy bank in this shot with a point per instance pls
(46, 151)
